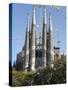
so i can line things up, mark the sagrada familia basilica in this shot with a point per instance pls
(33, 55)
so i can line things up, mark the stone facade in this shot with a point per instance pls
(32, 57)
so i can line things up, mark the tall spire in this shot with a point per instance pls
(33, 37)
(50, 48)
(40, 26)
(50, 23)
(34, 19)
(27, 45)
(44, 40)
(28, 22)
(51, 31)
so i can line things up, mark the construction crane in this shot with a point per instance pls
(56, 7)
(57, 25)
(58, 32)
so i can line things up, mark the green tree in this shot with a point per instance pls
(59, 72)
(48, 75)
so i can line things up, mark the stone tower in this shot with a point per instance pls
(50, 44)
(26, 52)
(33, 37)
(44, 35)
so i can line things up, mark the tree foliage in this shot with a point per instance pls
(48, 75)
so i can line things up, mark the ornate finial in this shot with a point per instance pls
(34, 19)
(50, 22)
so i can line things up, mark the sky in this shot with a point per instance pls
(19, 21)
